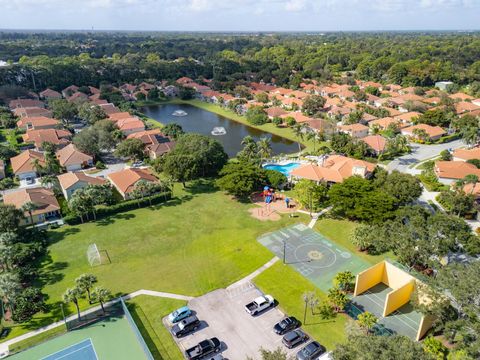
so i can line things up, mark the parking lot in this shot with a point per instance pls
(223, 316)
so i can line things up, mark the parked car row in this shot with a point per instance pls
(293, 336)
(185, 322)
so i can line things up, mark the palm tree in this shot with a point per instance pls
(299, 131)
(338, 299)
(141, 190)
(85, 283)
(29, 207)
(72, 295)
(470, 135)
(264, 146)
(39, 169)
(312, 135)
(9, 287)
(250, 149)
(50, 182)
(470, 179)
(101, 295)
(367, 321)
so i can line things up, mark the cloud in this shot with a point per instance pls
(296, 5)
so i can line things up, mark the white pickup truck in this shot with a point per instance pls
(259, 304)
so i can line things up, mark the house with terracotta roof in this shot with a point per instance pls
(72, 181)
(298, 116)
(78, 97)
(37, 123)
(32, 112)
(321, 126)
(275, 111)
(451, 171)
(354, 130)
(433, 132)
(465, 107)
(69, 91)
(291, 103)
(49, 94)
(466, 154)
(109, 108)
(408, 117)
(125, 180)
(72, 159)
(384, 123)
(375, 143)
(46, 205)
(156, 144)
(25, 103)
(459, 96)
(334, 169)
(60, 138)
(23, 165)
(130, 125)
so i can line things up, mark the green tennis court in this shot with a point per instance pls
(311, 254)
(111, 338)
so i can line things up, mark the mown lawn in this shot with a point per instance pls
(148, 312)
(287, 287)
(198, 242)
(339, 232)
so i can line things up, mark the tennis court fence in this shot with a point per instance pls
(135, 329)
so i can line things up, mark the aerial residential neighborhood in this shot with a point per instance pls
(258, 185)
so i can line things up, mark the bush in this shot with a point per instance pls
(275, 178)
(448, 138)
(100, 165)
(123, 206)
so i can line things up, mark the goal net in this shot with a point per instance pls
(93, 255)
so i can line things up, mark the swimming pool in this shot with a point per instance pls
(285, 169)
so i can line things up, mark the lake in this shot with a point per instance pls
(202, 122)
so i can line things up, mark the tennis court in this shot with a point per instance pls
(83, 350)
(108, 338)
(312, 254)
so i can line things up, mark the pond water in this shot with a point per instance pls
(202, 122)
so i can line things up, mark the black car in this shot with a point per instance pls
(286, 325)
(185, 326)
(311, 351)
(294, 338)
(204, 348)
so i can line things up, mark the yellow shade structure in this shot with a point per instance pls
(402, 286)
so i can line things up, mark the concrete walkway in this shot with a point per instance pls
(5, 345)
(254, 274)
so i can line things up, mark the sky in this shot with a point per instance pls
(241, 15)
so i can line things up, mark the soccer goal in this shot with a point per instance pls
(93, 255)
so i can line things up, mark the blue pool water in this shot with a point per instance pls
(284, 169)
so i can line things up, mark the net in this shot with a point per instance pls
(93, 255)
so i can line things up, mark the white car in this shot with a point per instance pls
(259, 304)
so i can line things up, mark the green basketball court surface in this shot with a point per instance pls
(110, 338)
(312, 255)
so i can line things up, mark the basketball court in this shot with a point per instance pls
(311, 254)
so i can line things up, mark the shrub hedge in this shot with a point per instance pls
(123, 206)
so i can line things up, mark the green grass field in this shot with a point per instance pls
(198, 242)
(287, 286)
(148, 312)
(339, 232)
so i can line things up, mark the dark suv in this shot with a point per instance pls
(186, 326)
(294, 338)
(311, 351)
(284, 326)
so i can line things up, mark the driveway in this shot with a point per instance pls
(420, 153)
(110, 169)
(223, 316)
